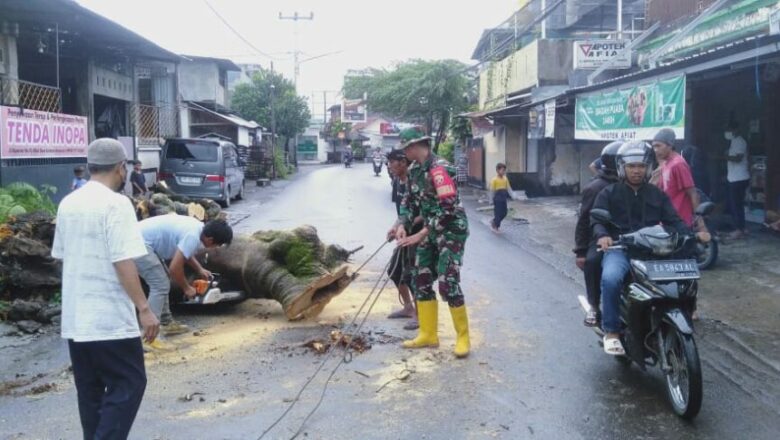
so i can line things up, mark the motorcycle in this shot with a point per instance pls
(347, 161)
(377, 166)
(706, 253)
(655, 309)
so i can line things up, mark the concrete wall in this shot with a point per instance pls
(495, 151)
(540, 63)
(514, 73)
(199, 81)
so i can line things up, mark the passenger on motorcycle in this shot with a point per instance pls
(633, 204)
(676, 179)
(587, 257)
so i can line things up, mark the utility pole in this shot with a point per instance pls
(296, 53)
(273, 125)
(620, 19)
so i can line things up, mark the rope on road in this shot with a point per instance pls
(347, 357)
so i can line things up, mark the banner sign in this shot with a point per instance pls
(354, 111)
(632, 113)
(307, 144)
(592, 54)
(549, 119)
(31, 134)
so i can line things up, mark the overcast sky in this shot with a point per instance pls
(368, 33)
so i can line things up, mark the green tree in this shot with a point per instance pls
(420, 91)
(253, 101)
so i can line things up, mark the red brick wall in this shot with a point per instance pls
(669, 10)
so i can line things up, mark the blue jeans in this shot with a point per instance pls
(614, 268)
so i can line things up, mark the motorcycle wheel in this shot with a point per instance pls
(683, 380)
(707, 254)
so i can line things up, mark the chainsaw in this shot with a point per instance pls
(209, 292)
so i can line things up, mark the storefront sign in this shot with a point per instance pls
(354, 111)
(774, 23)
(635, 112)
(592, 54)
(549, 119)
(743, 18)
(33, 134)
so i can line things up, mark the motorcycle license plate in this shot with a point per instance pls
(672, 270)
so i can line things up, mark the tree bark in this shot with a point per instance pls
(293, 268)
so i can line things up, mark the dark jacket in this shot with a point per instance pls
(582, 233)
(632, 211)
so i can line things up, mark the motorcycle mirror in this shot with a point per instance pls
(598, 215)
(705, 208)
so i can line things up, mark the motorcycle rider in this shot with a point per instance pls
(588, 259)
(378, 160)
(633, 204)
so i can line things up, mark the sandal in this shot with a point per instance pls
(592, 318)
(402, 314)
(613, 346)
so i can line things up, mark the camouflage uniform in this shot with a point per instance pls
(440, 255)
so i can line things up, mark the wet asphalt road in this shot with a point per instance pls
(534, 372)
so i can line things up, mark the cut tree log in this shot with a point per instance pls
(292, 267)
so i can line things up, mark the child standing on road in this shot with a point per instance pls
(78, 178)
(500, 193)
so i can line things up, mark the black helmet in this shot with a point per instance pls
(609, 158)
(634, 152)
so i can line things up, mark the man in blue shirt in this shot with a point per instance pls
(175, 239)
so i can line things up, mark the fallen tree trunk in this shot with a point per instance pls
(291, 267)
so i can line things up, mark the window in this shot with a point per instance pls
(192, 151)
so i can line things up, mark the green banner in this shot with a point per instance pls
(635, 112)
(307, 146)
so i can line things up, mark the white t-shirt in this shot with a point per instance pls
(96, 227)
(167, 233)
(738, 171)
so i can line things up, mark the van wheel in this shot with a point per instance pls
(225, 202)
(240, 195)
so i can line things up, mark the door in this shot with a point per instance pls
(231, 169)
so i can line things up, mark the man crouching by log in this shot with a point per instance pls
(176, 238)
(440, 243)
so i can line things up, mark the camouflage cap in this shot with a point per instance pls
(411, 136)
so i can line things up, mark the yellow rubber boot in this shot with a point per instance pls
(461, 322)
(428, 334)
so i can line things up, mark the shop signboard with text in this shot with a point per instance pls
(634, 112)
(31, 134)
(592, 54)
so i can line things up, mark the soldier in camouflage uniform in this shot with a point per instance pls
(440, 244)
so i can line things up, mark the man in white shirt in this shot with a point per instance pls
(177, 239)
(97, 238)
(738, 176)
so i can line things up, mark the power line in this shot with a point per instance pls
(238, 34)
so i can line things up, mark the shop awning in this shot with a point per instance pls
(493, 113)
(232, 119)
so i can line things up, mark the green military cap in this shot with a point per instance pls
(411, 136)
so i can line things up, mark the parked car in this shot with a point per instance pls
(203, 168)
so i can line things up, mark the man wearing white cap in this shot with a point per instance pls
(97, 237)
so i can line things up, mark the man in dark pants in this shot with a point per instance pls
(588, 258)
(97, 237)
(738, 176)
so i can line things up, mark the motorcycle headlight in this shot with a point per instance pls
(662, 245)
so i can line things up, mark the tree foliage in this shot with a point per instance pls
(253, 101)
(419, 91)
